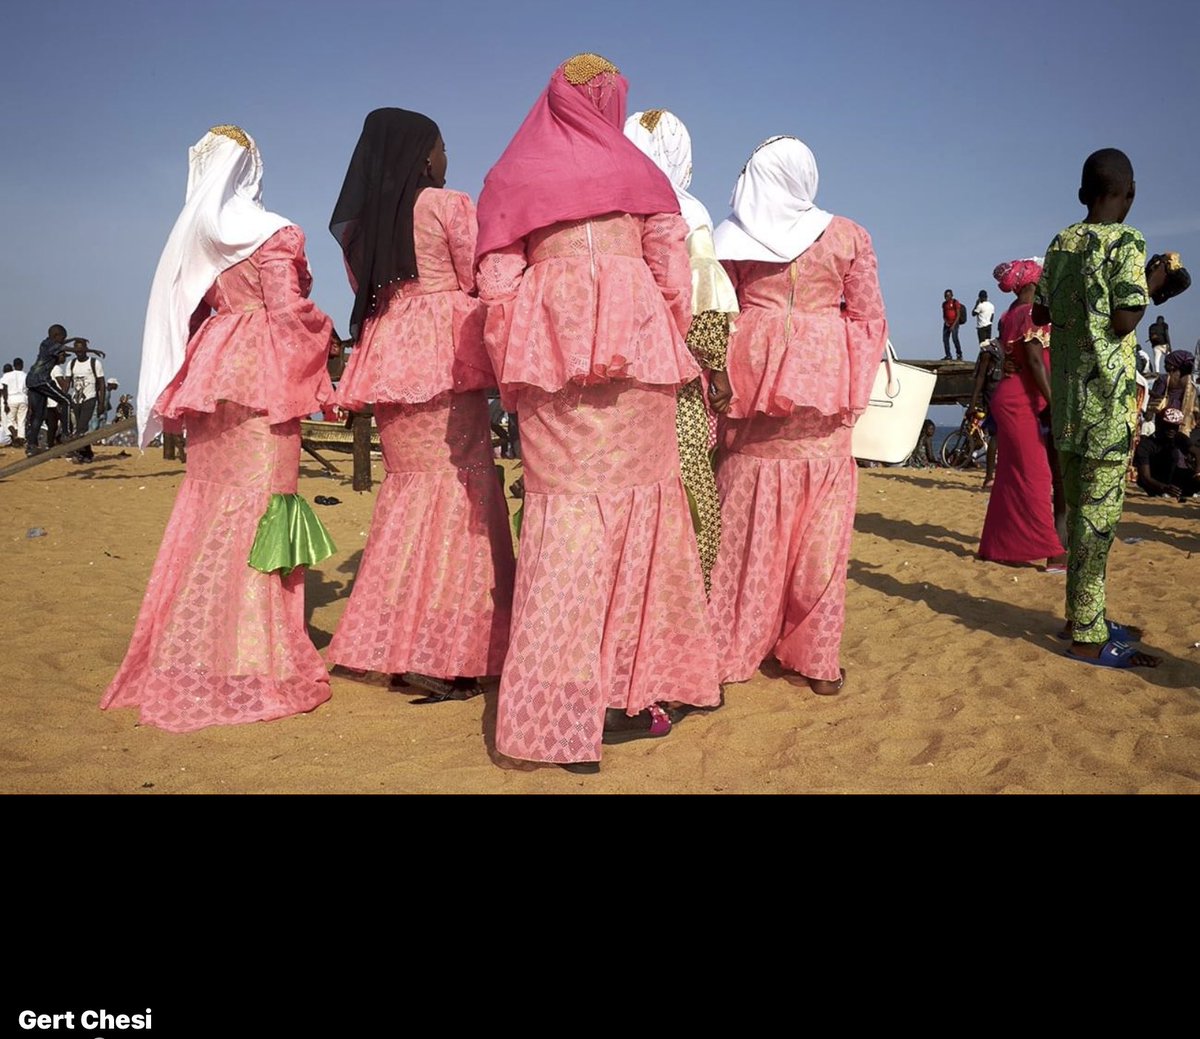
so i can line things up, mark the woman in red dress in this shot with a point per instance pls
(1020, 523)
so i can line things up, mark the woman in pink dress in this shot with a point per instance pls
(586, 274)
(808, 342)
(1020, 522)
(221, 637)
(433, 594)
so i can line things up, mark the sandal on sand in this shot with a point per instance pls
(582, 768)
(1114, 654)
(1116, 633)
(835, 690)
(439, 689)
(798, 679)
(652, 723)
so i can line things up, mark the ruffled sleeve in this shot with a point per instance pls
(300, 332)
(499, 280)
(664, 237)
(462, 228)
(865, 321)
(711, 287)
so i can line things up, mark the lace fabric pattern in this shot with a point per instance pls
(257, 340)
(609, 607)
(793, 345)
(433, 592)
(590, 301)
(426, 337)
(217, 642)
(788, 490)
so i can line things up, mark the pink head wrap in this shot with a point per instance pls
(1016, 274)
(570, 160)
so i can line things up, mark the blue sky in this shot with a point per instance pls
(954, 132)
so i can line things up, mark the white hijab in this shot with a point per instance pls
(222, 223)
(774, 218)
(662, 136)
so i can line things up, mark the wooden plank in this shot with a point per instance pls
(955, 379)
(59, 450)
(329, 466)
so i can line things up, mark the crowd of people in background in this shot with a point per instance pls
(64, 395)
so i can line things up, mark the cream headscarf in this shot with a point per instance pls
(663, 137)
(222, 223)
(774, 218)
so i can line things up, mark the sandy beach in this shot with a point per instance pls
(956, 682)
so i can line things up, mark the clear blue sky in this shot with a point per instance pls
(954, 132)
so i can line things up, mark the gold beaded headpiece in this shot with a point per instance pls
(234, 133)
(650, 118)
(583, 68)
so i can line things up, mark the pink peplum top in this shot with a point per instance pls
(426, 336)
(257, 340)
(795, 345)
(590, 301)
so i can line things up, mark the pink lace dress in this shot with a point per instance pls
(218, 642)
(801, 366)
(585, 328)
(433, 592)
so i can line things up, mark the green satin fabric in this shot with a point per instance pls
(289, 535)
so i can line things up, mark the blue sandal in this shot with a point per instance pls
(1114, 654)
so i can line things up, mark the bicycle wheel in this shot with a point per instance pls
(956, 450)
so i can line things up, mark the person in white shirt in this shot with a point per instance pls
(57, 419)
(984, 311)
(14, 401)
(87, 384)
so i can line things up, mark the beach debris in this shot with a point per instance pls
(1133, 541)
(147, 786)
(36, 532)
(322, 499)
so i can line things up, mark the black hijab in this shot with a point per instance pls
(373, 218)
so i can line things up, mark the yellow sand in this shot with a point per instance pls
(956, 681)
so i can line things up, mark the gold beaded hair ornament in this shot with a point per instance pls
(594, 72)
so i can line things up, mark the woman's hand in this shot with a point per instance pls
(720, 392)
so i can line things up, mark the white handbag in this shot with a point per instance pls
(888, 430)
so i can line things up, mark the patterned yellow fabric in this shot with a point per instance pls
(707, 338)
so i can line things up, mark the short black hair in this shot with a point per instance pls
(56, 328)
(948, 292)
(18, 363)
(983, 293)
(1105, 173)
(7, 368)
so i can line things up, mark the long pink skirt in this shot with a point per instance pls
(609, 607)
(434, 590)
(1019, 526)
(216, 641)
(788, 487)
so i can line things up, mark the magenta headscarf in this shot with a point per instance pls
(570, 160)
(1016, 274)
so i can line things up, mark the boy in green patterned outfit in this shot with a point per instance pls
(1094, 291)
